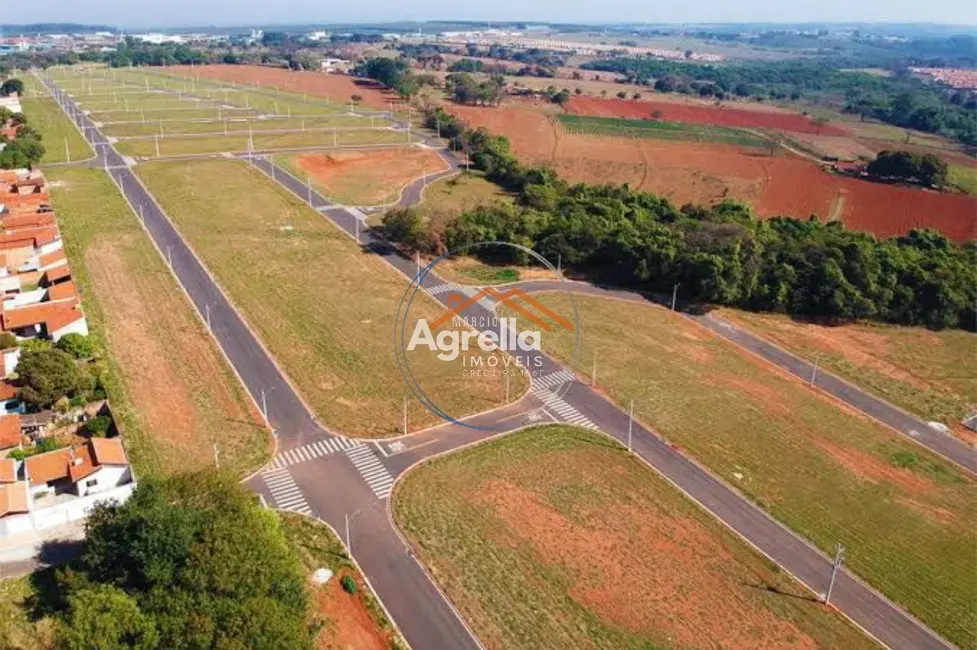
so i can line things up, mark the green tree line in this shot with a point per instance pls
(900, 100)
(720, 255)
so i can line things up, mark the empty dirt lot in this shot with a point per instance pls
(557, 538)
(365, 178)
(335, 87)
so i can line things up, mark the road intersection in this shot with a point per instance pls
(334, 479)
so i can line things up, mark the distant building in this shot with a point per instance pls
(336, 65)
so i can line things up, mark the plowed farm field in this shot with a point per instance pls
(701, 114)
(334, 87)
(706, 173)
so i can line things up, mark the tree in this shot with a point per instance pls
(406, 226)
(622, 95)
(190, 561)
(906, 165)
(356, 99)
(11, 86)
(46, 376)
(77, 345)
(108, 614)
(7, 341)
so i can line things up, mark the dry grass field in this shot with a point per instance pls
(826, 472)
(173, 390)
(555, 537)
(920, 370)
(324, 307)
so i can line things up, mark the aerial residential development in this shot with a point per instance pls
(448, 334)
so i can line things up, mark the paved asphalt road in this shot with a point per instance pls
(333, 486)
(947, 446)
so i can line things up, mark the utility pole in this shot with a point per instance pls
(67, 151)
(156, 140)
(169, 256)
(308, 185)
(835, 565)
(217, 453)
(405, 415)
(630, 423)
(593, 372)
(814, 373)
(674, 295)
(207, 310)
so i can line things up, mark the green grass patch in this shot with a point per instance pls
(179, 146)
(657, 129)
(556, 537)
(169, 386)
(825, 473)
(57, 131)
(323, 307)
(191, 112)
(965, 178)
(239, 126)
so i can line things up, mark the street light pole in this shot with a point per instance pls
(207, 310)
(630, 424)
(675, 295)
(835, 565)
(814, 372)
(593, 372)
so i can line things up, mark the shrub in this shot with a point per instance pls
(7, 340)
(98, 426)
(77, 345)
(349, 585)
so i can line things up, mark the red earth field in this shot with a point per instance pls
(782, 184)
(335, 87)
(699, 114)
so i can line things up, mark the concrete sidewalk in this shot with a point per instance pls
(28, 552)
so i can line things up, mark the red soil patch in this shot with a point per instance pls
(644, 571)
(716, 115)
(369, 177)
(335, 87)
(350, 624)
(870, 468)
(687, 172)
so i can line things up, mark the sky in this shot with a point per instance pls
(125, 13)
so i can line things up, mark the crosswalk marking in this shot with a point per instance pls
(285, 494)
(372, 470)
(443, 288)
(556, 404)
(311, 451)
(553, 379)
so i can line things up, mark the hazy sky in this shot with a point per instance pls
(127, 13)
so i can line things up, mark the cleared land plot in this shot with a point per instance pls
(701, 114)
(178, 146)
(334, 87)
(904, 515)
(655, 129)
(174, 392)
(191, 112)
(923, 371)
(324, 307)
(60, 137)
(240, 125)
(557, 538)
(363, 178)
(348, 620)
